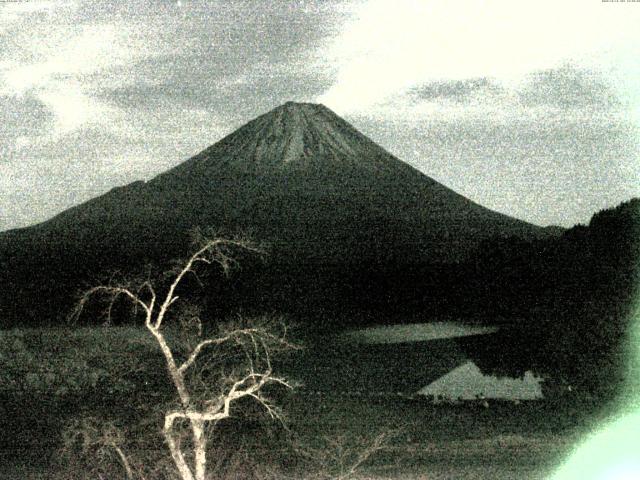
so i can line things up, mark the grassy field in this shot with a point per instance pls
(50, 377)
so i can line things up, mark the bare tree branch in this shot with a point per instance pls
(113, 293)
(212, 341)
(255, 341)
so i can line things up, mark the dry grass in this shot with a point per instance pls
(437, 442)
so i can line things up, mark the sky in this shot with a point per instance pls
(528, 108)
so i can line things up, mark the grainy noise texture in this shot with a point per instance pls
(536, 117)
(409, 232)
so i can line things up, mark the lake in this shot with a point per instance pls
(454, 375)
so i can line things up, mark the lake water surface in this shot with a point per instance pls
(464, 382)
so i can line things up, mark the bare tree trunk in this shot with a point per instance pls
(247, 386)
(176, 376)
(176, 453)
(200, 448)
(124, 460)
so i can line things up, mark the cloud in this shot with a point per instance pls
(543, 162)
(568, 87)
(52, 54)
(456, 90)
(12, 13)
(21, 119)
(547, 95)
(39, 179)
(218, 53)
(390, 47)
(108, 92)
(115, 91)
(552, 148)
(194, 85)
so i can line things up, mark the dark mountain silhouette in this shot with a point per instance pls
(298, 177)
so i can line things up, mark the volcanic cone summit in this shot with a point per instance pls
(299, 178)
(293, 134)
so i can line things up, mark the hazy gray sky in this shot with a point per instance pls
(531, 108)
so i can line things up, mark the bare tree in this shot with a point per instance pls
(100, 440)
(201, 405)
(341, 457)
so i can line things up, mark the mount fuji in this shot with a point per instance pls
(299, 178)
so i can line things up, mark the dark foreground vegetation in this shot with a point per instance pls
(568, 301)
(61, 387)
(59, 380)
(563, 302)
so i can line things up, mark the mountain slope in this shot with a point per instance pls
(298, 177)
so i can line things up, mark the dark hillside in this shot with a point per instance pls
(573, 295)
(331, 203)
